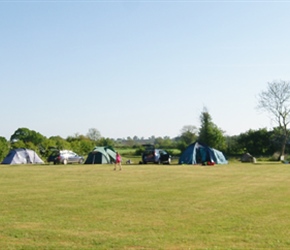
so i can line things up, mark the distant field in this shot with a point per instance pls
(234, 206)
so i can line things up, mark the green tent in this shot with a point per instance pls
(101, 155)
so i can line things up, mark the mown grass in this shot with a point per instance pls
(235, 206)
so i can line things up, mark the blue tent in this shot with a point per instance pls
(197, 153)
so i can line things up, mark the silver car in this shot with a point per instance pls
(65, 157)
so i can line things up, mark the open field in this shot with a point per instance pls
(235, 206)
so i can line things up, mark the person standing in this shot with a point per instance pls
(118, 161)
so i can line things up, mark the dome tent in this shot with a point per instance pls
(247, 157)
(101, 155)
(197, 153)
(22, 156)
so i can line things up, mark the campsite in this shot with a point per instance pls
(145, 125)
(231, 206)
(195, 153)
(227, 193)
(201, 200)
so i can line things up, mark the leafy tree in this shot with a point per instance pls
(81, 144)
(233, 146)
(139, 150)
(209, 133)
(86, 146)
(256, 142)
(275, 137)
(94, 134)
(18, 144)
(4, 148)
(276, 101)
(26, 138)
(188, 136)
(59, 143)
(46, 146)
(26, 135)
(164, 142)
(106, 142)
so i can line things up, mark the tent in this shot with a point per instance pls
(247, 157)
(200, 153)
(101, 155)
(22, 156)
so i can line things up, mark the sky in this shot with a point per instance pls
(139, 68)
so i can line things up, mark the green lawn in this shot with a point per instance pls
(234, 206)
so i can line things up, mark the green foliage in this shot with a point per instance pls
(81, 145)
(188, 136)
(210, 134)
(181, 145)
(256, 142)
(4, 148)
(105, 142)
(18, 144)
(25, 135)
(164, 142)
(233, 146)
(60, 143)
(174, 152)
(139, 150)
(26, 138)
(276, 137)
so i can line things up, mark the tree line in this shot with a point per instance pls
(257, 142)
(262, 142)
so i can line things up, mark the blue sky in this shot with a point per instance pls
(139, 67)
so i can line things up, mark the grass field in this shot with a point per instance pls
(234, 206)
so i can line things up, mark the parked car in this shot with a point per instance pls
(65, 157)
(158, 156)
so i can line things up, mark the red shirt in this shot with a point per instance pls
(118, 158)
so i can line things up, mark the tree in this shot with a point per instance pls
(188, 136)
(256, 142)
(4, 146)
(164, 142)
(233, 146)
(276, 101)
(209, 133)
(276, 136)
(26, 138)
(106, 142)
(81, 144)
(59, 143)
(26, 135)
(94, 134)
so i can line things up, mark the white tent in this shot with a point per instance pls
(22, 156)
